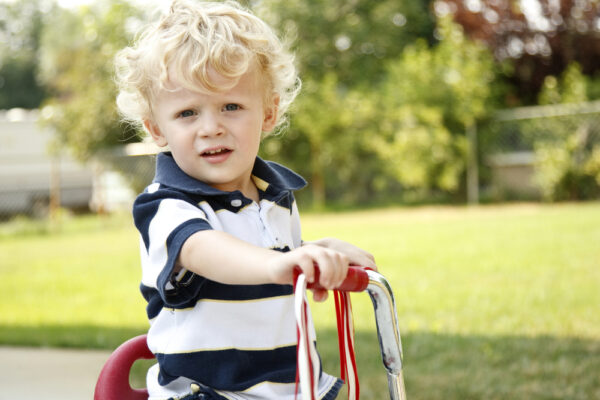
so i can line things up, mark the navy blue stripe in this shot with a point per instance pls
(226, 202)
(155, 302)
(188, 289)
(232, 370)
(219, 291)
(334, 391)
(144, 210)
(214, 291)
(282, 199)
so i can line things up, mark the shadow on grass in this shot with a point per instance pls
(441, 366)
(437, 366)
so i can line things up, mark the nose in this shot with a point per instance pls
(209, 124)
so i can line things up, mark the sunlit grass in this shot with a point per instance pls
(86, 273)
(494, 302)
(492, 270)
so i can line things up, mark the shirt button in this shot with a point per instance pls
(236, 203)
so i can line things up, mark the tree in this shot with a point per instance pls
(20, 27)
(570, 88)
(342, 48)
(430, 98)
(351, 39)
(77, 55)
(568, 151)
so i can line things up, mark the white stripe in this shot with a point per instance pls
(170, 214)
(272, 326)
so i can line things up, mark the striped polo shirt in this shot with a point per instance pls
(239, 340)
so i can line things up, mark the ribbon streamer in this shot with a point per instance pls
(307, 358)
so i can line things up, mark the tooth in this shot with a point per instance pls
(212, 152)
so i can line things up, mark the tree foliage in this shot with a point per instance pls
(77, 57)
(432, 94)
(406, 131)
(349, 38)
(568, 159)
(570, 88)
(20, 30)
(389, 88)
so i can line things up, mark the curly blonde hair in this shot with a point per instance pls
(193, 38)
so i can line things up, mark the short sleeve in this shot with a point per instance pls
(165, 220)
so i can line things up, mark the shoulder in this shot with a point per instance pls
(156, 193)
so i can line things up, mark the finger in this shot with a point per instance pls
(333, 271)
(325, 270)
(338, 264)
(320, 295)
(307, 267)
(342, 272)
(364, 259)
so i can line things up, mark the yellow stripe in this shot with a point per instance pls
(260, 184)
(229, 348)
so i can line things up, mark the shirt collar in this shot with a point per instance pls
(267, 175)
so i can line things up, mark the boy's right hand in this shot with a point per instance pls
(333, 267)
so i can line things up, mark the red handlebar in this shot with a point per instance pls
(357, 280)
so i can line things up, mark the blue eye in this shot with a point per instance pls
(231, 107)
(187, 113)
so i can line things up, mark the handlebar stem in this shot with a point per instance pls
(388, 332)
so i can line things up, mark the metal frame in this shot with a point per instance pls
(388, 333)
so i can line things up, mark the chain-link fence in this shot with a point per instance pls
(545, 151)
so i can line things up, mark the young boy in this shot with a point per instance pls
(220, 231)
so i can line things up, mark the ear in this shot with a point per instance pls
(154, 131)
(270, 116)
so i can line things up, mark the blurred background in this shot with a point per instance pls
(412, 101)
(410, 111)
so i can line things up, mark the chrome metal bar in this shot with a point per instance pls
(388, 333)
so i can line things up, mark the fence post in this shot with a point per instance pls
(55, 187)
(472, 165)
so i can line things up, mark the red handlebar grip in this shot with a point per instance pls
(357, 280)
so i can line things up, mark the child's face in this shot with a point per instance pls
(214, 137)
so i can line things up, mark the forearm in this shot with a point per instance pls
(221, 257)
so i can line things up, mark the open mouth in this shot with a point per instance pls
(216, 152)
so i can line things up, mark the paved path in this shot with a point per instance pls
(49, 374)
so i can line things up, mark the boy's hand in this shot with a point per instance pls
(333, 266)
(356, 255)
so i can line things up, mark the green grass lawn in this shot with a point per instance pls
(494, 302)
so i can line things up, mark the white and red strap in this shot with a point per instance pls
(308, 367)
(345, 326)
(308, 359)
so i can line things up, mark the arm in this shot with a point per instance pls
(222, 257)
